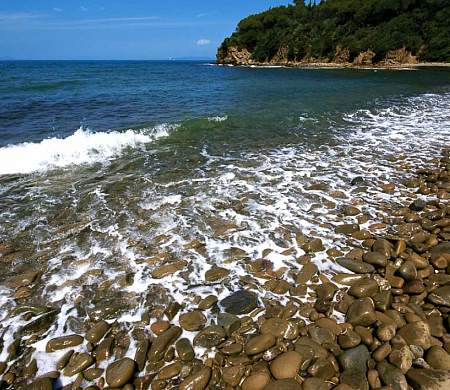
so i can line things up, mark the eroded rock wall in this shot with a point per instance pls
(242, 56)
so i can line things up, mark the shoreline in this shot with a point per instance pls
(384, 320)
(330, 65)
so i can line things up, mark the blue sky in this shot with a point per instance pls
(119, 29)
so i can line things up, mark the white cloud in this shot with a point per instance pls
(18, 20)
(203, 42)
(18, 16)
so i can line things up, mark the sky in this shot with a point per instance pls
(120, 29)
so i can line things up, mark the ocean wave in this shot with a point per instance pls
(82, 147)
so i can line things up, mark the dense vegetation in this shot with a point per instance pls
(421, 26)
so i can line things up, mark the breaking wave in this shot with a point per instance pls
(82, 147)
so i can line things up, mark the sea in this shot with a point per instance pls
(110, 170)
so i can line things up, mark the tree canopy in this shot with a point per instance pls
(317, 30)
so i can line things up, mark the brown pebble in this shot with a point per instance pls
(286, 365)
(259, 344)
(159, 327)
(256, 381)
(382, 352)
(120, 372)
(197, 381)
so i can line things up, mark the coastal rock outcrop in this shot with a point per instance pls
(364, 58)
(399, 57)
(234, 56)
(342, 57)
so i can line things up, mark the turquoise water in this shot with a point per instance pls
(111, 169)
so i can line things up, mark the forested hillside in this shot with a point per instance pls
(344, 31)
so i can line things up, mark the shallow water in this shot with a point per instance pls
(110, 170)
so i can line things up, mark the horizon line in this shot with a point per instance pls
(111, 59)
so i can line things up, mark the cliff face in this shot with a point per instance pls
(243, 57)
(400, 56)
(234, 56)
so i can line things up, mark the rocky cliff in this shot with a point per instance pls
(243, 57)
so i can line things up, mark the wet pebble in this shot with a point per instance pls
(170, 371)
(259, 344)
(429, 379)
(159, 327)
(277, 327)
(349, 339)
(184, 350)
(97, 332)
(440, 296)
(63, 342)
(356, 266)
(364, 288)
(306, 273)
(233, 375)
(216, 274)
(256, 381)
(287, 365)
(313, 246)
(240, 302)
(78, 363)
(92, 373)
(375, 258)
(162, 342)
(207, 302)
(438, 358)
(361, 312)
(197, 381)
(355, 359)
(418, 205)
(392, 375)
(348, 228)
(168, 269)
(416, 333)
(192, 321)
(229, 322)
(120, 372)
(210, 337)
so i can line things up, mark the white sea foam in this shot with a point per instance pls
(218, 118)
(82, 147)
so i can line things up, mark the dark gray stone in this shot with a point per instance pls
(240, 302)
(418, 205)
(355, 359)
(357, 181)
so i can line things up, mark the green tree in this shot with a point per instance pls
(421, 26)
